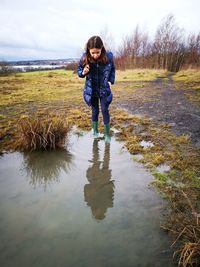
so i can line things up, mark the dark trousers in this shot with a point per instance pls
(104, 109)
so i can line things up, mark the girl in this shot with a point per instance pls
(97, 66)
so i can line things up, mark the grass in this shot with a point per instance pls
(36, 94)
(133, 84)
(29, 87)
(189, 81)
(40, 92)
(139, 75)
(31, 93)
(190, 75)
(38, 133)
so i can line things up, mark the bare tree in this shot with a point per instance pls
(193, 49)
(168, 50)
(136, 45)
(107, 38)
(145, 49)
(133, 49)
(169, 45)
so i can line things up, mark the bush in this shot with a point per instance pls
(6, 69)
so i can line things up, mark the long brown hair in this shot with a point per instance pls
(95, 42)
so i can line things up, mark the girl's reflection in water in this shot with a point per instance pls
(99, 193)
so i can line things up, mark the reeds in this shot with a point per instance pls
(188, 253)
(47, 133)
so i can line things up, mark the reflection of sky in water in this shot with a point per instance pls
(96, 209)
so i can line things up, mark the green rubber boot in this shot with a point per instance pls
(95, 129)
(107, 137)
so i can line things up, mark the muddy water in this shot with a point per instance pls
(91, 206)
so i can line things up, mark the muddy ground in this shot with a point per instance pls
(170, 105)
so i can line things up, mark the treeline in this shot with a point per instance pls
(170, 48)
(5, 68)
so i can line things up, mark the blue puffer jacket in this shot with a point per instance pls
(96, 83)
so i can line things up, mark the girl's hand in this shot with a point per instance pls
(86, 69)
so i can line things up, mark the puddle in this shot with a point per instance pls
(91, 206)
(146, 144)
(163, 168)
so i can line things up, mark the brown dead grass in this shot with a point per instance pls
(41, 133)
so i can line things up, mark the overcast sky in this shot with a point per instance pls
(52, 29)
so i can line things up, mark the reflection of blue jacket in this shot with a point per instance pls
(97, 79)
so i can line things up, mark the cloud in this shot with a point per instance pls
(50, 28)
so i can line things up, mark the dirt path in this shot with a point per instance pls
(170, 106)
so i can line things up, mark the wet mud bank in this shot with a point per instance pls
(170, 105)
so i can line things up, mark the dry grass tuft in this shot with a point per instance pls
(188, 253)
(41, 134)
(184, 224)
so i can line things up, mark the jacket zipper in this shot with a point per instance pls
(98, 83)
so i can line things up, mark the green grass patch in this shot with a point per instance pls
(190, 75)
(139, 75)
(189, 81)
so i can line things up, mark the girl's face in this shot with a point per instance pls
(95, 53)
